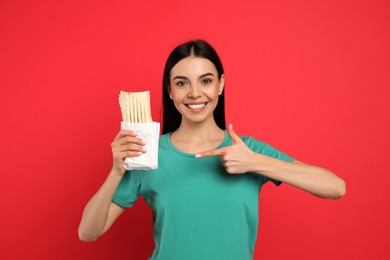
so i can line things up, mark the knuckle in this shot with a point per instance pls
(232, 170)
(132, 154)
(126, 132)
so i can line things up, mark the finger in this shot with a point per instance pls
(131, 147)
(131, 140)
(128, 143)
(129, 154)
(123, 133)
(208, 153)
(233, 135)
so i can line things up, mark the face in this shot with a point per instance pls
(195, 88)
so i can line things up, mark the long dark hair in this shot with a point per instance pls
(197, 48)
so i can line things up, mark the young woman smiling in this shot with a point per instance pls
(205, 192)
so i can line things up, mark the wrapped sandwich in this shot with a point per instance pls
(136, 116)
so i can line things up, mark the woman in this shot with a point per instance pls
(205, 191)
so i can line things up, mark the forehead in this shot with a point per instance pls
(193, 66)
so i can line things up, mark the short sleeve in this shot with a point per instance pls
(128, 190)
(266, 149)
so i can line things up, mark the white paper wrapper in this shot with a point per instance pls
(149, 132)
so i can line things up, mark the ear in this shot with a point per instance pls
(168, 89)
(221, 84)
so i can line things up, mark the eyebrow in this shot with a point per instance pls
(201, 76)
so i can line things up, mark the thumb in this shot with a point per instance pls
(233, 134)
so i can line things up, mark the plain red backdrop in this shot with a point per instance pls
(309, 77)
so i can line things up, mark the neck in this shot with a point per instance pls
(198, 131)
(197, 137)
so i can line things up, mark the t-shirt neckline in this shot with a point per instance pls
(171, 146)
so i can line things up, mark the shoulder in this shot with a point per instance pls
(163, 138)
(265, 148)
(258, 145)
(253, 143)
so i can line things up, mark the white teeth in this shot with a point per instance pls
(197, 106)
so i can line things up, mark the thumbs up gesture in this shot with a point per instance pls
(236, 158)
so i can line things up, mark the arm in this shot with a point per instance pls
(316, 180)
(100, 212)
(238, 159)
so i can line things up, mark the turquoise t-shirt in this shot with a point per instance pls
(199, 210)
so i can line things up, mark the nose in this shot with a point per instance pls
(194, 91)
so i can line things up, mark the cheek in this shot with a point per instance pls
(212, 92)
(177, 94)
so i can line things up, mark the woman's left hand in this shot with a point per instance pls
(236, 158)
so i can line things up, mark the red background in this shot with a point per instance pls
(309, 77)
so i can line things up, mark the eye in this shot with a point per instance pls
(207, 81)
(180, 83)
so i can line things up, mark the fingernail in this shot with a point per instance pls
(144, 149)
(230, 126)
(198, 155)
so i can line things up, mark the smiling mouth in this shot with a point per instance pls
(196, 106)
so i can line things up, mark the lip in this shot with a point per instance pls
(196, 106)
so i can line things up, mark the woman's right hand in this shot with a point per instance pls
(125, 144)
